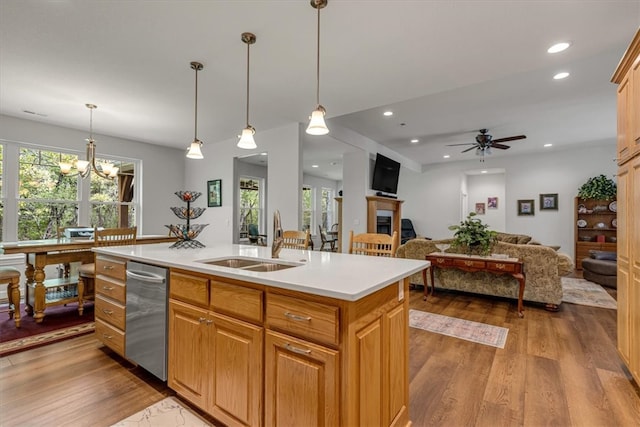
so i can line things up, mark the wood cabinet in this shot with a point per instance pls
(595, 227)
(251, 354)
(110, 302)
(375, 204)
(627, 76)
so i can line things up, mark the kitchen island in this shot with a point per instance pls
(322, 339)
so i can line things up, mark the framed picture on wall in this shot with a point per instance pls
(214, 193)
(480, 208)
(492, 203)
(526, 207)
(549, 202)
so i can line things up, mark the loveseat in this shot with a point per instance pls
(543, 265)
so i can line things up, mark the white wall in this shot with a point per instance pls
(480, 188)
(356, 185)
(432, 198)
(162, 167)
(284, 176)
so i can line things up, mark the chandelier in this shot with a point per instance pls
(104, 170)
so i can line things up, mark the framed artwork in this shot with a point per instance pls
(480, 208)
(526, 207)
(214, 193)
(549, 202)
(492, 203)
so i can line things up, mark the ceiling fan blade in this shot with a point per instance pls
(510, 138)
(466, 143)
(500, 146)
(468, 149)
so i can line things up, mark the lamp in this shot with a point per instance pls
(106, 170)
(317, 125)
(195, 151)
(246, 139)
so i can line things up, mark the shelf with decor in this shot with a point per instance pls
(595, 227)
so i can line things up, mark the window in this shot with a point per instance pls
(327, 208)
(111, 200)
(307, 208)
(46, 199)
(250, 205)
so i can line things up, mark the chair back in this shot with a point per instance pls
(373, 244)
(294, 239)
(115, 236)
(253, 230)
(323, 234)
(407, 232)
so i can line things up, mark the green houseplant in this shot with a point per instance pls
(599, 188)
(473, 235)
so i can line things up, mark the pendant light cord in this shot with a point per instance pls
(318, 59)
(248, 47)
(195, 132)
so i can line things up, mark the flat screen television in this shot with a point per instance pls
(385, 175)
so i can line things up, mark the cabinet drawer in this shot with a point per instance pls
(441, 261)
(468, 263)
(312, 320)
(110, 336)
(191, 289)
(501, 266)
(110, 312)
(237, 300)
(110, 288)
(112, 267)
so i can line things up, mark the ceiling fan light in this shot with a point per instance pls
(487, 150)
(317, 126)
(194, 150)
(246, 139)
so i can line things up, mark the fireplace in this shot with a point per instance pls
(383, 225)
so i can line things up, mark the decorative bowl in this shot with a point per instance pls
(601, 225)
(585, 238)
(188, 196)
(184, 213)
(581, 223)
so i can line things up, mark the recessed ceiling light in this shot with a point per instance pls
(314, 166)
(560, 76)
(415, 140)
(483, 171)
(263, 154)
(559, 47)
(388, 113)
(547, 145)
(446, 156)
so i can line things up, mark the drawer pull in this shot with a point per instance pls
(209, 322)
(468, 263)
(297, 317)
(107, 267)
(107, 288)
(109, 312)
(297, 349)
(201, 320)
(109, 337)
(500, 266)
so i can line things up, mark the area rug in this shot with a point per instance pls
(584, 292)
(476, 332)
(60, 322)
(166, 413)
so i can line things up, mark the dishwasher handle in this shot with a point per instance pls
(145, 276)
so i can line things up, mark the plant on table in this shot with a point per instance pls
(473, 235)
(599, 188)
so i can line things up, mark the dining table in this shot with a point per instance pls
(40, 253)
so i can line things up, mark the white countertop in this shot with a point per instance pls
(336, 275)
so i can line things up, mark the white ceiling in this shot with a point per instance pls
(446, 68)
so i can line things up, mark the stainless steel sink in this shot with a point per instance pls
(250, 264)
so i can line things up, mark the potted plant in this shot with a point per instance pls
(473, 235)
(599, 188)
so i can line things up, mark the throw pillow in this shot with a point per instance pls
(603, 255)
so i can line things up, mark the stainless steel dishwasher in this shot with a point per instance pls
(146, 333)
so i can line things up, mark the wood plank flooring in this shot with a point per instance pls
(557, 369)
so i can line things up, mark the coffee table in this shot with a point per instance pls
(511, 266)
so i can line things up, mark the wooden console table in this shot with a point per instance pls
(511, 266)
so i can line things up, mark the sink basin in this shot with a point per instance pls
(249, 264)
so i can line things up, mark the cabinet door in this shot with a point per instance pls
(301, 383)
(236, 394)
(624, 119)
(623, 274)
(188, 366)
(634, 105)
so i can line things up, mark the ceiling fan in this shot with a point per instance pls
(485, 142)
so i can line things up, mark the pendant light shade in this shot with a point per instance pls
(195, 149)
(246, 139)
(317, 126)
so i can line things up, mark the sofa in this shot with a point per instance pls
(544, 266)
(601, 267)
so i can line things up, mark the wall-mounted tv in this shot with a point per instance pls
(385, 175)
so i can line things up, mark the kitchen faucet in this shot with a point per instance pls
(277, 235)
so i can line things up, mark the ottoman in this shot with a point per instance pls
(600, 268)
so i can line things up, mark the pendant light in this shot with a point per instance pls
(105, 170)
(195, 151)
(246, 139)
(317, 125)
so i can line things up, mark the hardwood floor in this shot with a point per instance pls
(557, 369)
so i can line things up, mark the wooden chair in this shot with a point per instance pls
(373, 244)
(294, 239)
(327, 240)
(86, 272)
(11, 276)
